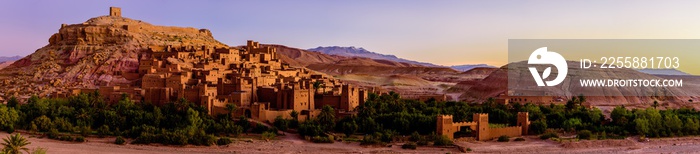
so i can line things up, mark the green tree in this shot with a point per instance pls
(281, 123)
(8, 117)
(673, 123)
(349, 128)
(571, 124)
(294, 114)
(231, 108)
(327, 118)
(12, 102)
(656, 104)
(620, 115)
(538, 126)
(317, 85)
(15, 144)
(43, 123)
(642, 126)
(691, 126)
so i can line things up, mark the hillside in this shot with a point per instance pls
(5, 64)
(93, 53)
(497, 83)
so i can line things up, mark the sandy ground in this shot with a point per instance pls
(284, 144)
(292, 144)
(629, 145)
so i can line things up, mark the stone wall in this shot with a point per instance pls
(513, 131)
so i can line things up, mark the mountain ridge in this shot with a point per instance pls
(353, 51)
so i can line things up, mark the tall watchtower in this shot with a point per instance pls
(523, 121)
(115, 11)
(482, 125)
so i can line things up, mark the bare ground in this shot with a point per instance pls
(628, 145)
(285, 144)
(292, 144)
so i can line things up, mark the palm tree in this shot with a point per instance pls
(317, 85)
(231, 108)
(15, 144)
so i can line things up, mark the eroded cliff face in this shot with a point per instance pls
(94, 53)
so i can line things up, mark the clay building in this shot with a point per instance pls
(252, 78)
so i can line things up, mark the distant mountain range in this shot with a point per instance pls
(4, 59)
(361, 52)
(662, 71)
(467, 67)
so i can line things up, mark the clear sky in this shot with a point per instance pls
(442, 32)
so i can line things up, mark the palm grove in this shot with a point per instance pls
(382, 119)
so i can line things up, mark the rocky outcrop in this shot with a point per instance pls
(94, 53)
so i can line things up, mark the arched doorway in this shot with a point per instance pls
(247, 113)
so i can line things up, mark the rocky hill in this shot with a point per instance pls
(93, 53)
(98, 51)
(5, 64)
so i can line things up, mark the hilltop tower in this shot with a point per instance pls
(115, 11)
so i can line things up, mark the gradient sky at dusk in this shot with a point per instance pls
(441, 32)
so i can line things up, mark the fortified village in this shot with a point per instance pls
(252, 78)
(255, 80)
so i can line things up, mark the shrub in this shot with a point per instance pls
(281, 123)
(103, 131)
(409, 145)
(79, 139)
(66, 138)
(469, 149)
(519, 139)
(53, 133)
(370, 139)
(503, 138)
(320, 139)
(310, 129)
(119, 140)
(85, 130)
(549, 135)
(43, 123)
(422, 142)
(259, 128)
(584, 134)
(268, 135)
(144, 138)
(415, 137)
(442, 141)
(10, 129)
(201, 138)
(223, 141)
